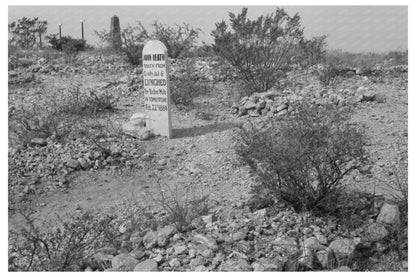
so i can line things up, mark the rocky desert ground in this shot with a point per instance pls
(99, 167)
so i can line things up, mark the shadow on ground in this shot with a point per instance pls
(203, 130)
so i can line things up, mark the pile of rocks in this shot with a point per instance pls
(242, 240)
(278, 103)
(52, 162)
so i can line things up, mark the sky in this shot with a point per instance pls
(349, 28)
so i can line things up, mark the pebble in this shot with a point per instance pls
(147, 266)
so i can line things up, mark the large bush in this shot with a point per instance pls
(303, 158)
(259, 49)
(178, 41)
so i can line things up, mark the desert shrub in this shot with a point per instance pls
(62, 248)
(90, 102)
(303, 158)
(328, 74)
(57, 116)
(67, 43)
(39, 119)
(397, 57)
(68, 244)
(133, 39)
(177, 40)
(396, 180)
(366, 62)
(260, 49)
(312, 51)
(186, 83)
(181, 202)
(396, 175)
(25, 31)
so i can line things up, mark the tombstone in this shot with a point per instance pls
(156, 88)
(115, 35)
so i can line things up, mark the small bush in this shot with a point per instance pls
(186, 84)
(64, 248)
(67, 43)
(397, 177)
(302, 159)
(39, 119)
(57, 115)
(87, 103)
(181, 202)
(397, 181)
(259, 49)
(328, 74)
(69, 244)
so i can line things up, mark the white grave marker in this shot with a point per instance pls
(156, 88)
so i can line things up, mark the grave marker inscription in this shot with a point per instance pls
(156, 88)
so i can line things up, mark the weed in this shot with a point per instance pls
(182, 202)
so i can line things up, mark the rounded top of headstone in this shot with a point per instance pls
(153, 46)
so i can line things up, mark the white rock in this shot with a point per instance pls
(150, 240)
(376, 232)
(389, 214)
(343, 248)
(124, 260)
(146, 266)
(207, 241)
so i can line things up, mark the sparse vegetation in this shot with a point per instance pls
(187, 85)
(66, 43)
(62, 249)
(178, 41)
(259, 49)
(303, 159)
(69, 244)
(58, 115)
(25, 32)
(366, 62)
(312, 51)
(181, 202)
(298, 178)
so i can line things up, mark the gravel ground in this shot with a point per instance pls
(201, 150)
